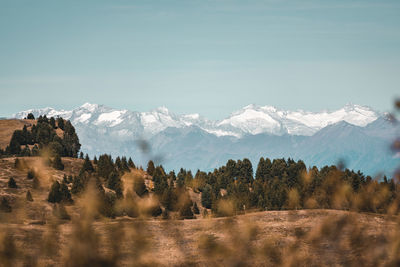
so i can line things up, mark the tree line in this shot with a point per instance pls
(43, 135)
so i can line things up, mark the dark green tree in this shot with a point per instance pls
(150, 168)
(11, 183)
(5, 205)
(57, 163)
(131, 164)
(206, 197)
(29, 196)
(114, 182)
(87, 165)
(30, 116)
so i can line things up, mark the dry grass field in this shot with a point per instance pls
(32, 235)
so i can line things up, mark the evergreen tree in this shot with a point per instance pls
(57, 163)
(55, 193)
(79, 183)
(52, 122)
(30, 116)
(185, 212)
(124, 164)
(131, 164)
(14, 148)
(5, 205)
(95, 160)
(60, 123)
(169, 199)
(81, 155)
(29, 196)
(159, 180)
(87, 165)
(105, 166)
(30, 174)
(114, 182)
(11, 183)
(206, 197)
(70, 141)
(150, 168)
(65, 193)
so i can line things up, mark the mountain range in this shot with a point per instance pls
(354, 134)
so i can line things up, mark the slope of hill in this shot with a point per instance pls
(7, 128)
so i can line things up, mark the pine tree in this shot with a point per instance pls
(95, 160)
(87, 165)
(150, 168)
(105, 166)
(30, 116)
(81, 155)
(11, 183)
(206, 197)
(60, 123)
(78, 183)
(114, 182)
(131, 164)
(52, 122)
(5, 205)
(29, 196)
(30, 174)
(55, 193)
(185, 212)
(65, 194)
(57, 163)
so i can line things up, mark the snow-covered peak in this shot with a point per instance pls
(90, 107)
(249, 120)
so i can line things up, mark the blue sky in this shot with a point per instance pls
(209, 57)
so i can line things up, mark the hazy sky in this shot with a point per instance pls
(210, 57)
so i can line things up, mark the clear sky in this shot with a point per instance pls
(206, 56)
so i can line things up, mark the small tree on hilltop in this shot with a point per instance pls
(30, 116)
(87, 165)
(150, 168)
(131, 164)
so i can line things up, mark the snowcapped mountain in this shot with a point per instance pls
(356, 134)
(250, 120)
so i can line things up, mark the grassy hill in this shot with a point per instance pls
(7, 128)
(40, 233)
(299, 237)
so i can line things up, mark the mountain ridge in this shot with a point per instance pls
(356, 134)
(251, 119)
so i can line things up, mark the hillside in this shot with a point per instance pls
(305, 237)
(7, 128)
